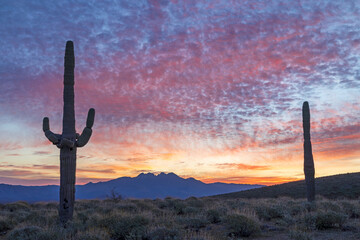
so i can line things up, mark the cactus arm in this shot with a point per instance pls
(69, 113)
(54, 138)
(86, 133)
(84, 137)
(90, 118)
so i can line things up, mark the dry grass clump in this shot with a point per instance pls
(193, 218)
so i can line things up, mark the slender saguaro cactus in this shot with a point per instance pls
(309, 169)
(69, 140)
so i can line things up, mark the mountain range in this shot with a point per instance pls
(144, 185)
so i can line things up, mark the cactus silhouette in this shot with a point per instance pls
(69, 140)
(309, 169)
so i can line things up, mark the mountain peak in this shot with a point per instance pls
(162, 174)
(144, 175)
(168, 175)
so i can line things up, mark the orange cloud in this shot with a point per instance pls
(242, 166)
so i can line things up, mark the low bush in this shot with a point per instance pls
(192, 223)
(51, 234)
(25, 233)
(5, 225)
(38, 217)
(123, 228)
(191, 210)
(19, 216)
(241, 226)
(267, 213)
(309, 221)
(91, 236)
(213, 216)
(329, 206)
(352, 210)
(15, 206)
(326, 220)
(299, 235)
(131, 208)
(163, 233)
(144, 205)
(194, 202)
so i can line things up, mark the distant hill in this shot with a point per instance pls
(143, 186)
(336, 186)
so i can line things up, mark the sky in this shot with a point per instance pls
(210, 89)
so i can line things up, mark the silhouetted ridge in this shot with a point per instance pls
(145, 185)
(336, 186)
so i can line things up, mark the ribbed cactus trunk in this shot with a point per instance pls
(309, 169)
(69, 140)
(68, 154)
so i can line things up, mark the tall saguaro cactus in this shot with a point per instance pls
(309, 169)
(69, 140)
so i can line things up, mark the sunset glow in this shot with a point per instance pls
(206, 89)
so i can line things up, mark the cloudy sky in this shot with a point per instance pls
(210, 89)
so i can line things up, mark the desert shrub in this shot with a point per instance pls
(93, 235)
(310, 206)
(51, 234)
(299, 235)
(83, 216)
(5, 225)
(309, 221)
(352, 210)
(130, 207)
(192, 223)
(19, 216)
(144, 205)
(213, 216)
(107, 209)
(194, 202)
(241, 226)
(331, 219)
(197, 238)
(173, 204)
(38, 217)
(114, 196)
(191, 210)
(177, 205)
(25, 233)
(95, 220)
(286, 221)
(52, 205)
(267, 213)
(157, 212)
(160, 203)
(87, 204)
(163, 233)
(329, 206)
(72, 227)
(20, 205)
(236, 204)
(297, 208)
(121, 228)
